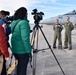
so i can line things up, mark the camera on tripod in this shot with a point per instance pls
(37, 15)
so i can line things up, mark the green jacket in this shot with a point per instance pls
(20, 40)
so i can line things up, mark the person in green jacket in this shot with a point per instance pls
(20, 40)
(57, 34)
(68, 28)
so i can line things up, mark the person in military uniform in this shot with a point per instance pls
(68, 28)
(57, 34)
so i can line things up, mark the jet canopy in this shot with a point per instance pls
(71, 13)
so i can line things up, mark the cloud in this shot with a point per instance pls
(49, 7)
(54, 1)
(15, 4)
(30, 4)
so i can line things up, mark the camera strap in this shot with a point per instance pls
(15, 26)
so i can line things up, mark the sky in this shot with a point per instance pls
(50, 8)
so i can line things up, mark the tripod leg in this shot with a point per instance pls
(35, 49)
(34, 64)
(33, 37)
(51, 50)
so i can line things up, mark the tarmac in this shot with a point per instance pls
(46, 64)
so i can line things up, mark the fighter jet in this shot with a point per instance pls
(62, 18)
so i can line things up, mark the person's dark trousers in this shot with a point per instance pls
(23, 60)
(4, 72)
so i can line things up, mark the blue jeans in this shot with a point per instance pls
(23, 60)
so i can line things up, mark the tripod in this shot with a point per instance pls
(35, 47)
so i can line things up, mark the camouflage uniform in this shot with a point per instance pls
(68, 28)
(57, 34)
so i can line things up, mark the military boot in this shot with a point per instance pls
(70, 48)
(54, 46)
(65, 47)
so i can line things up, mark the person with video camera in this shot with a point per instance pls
(7, 26)
(20, 40)
(57, 34)
(3, 44)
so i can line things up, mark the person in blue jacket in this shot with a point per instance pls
(6, 24)
(2, 25)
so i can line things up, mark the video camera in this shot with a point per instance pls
(37, 15)
(7, 19)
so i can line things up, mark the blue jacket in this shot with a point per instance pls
(1, 22)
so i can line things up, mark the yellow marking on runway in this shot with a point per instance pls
(16, 62)
(1, 63)
(12, 67)
(34, 39)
